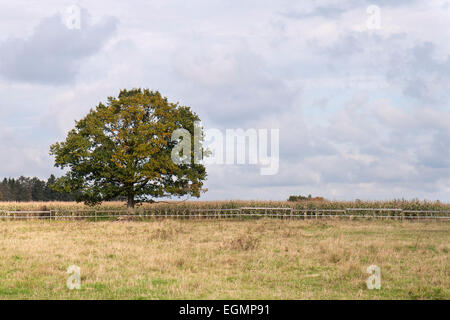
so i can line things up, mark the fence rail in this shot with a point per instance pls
(218, 213)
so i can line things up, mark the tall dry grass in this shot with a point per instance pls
(399, 204)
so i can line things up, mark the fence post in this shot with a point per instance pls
(95, 215)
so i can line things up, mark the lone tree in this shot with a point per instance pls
(124, 149)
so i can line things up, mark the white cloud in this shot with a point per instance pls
(53, 53)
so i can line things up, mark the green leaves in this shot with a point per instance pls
(123, 149)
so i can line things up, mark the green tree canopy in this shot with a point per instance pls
(124, 148)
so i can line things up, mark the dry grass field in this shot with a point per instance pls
(210, 259)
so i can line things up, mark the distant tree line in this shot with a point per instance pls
(31, 189)
(303, 198)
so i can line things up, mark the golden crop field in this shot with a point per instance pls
(116, 205)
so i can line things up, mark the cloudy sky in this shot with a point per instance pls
(363, 108)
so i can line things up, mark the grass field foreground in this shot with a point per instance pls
(208, 259)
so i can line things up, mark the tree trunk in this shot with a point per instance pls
(130, 204)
